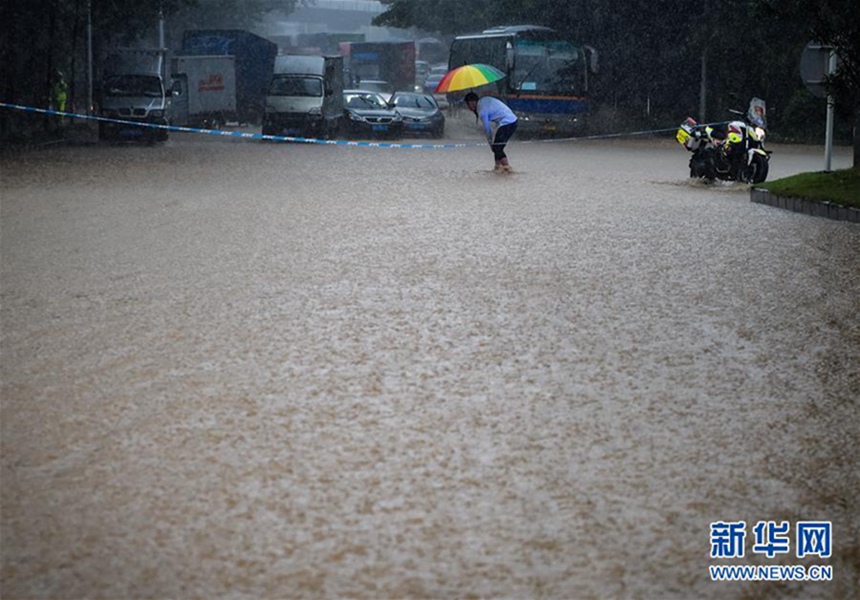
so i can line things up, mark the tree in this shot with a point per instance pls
(49, 36)
(650, 58)
(652, 52)
(41, 37)
(837, 24)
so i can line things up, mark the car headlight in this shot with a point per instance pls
(315, 111)
(156, 114)
(355, 117)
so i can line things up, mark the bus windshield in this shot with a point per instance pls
(547, 66)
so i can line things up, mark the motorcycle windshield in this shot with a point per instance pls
(757, 114)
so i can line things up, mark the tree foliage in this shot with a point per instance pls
(652, 52)
(835, 23)
(42, 37)
(832, 22)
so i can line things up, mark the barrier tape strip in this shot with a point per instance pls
(237, 134)
(304, 140)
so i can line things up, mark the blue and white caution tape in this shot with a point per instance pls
(303, 140)
(240, 134)
(602, 136)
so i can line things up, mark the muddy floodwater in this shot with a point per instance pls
(236, 369)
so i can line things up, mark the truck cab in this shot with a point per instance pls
(133, 91)
(305, 97)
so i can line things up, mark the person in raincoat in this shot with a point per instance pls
(59, 94)
(492, 111)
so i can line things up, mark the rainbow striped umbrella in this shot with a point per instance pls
(467, 77)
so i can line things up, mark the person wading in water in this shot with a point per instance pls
(493, 111)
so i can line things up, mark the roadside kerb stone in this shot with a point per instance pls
(828, 210)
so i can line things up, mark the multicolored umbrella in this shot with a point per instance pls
(467, 77)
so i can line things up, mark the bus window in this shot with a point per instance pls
(546, 66)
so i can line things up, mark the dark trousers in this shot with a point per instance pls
(503, 134)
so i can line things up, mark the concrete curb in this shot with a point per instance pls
(828, 210)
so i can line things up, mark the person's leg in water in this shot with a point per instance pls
(500, 156)
(502, 136)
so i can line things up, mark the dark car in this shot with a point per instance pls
(432, 81)
(420, 112)
(369, 115)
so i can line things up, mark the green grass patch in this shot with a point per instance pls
(841, 187)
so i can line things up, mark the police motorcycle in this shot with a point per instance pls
(732, 151)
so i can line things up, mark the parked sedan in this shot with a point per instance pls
(369, 115)
(432, 81)
(420, 112)
(436, 75)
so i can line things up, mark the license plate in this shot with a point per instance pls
(380, 127)
(131, 132)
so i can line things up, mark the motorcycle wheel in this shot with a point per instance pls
(709, 166)
(757, 169)
(697, 170)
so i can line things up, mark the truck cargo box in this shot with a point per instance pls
(255, 60)
(206, 89)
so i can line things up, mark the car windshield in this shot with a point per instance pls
(368, 100)
(133, 85)
(413, 101)
(296, 86)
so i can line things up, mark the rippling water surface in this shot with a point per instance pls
(248, 369)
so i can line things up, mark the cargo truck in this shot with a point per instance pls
(133, 91)
(254, 64)
(305, 97)
(204, 90)
(392, 62)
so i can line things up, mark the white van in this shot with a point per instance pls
(305, 97)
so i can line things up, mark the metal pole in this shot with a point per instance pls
(828, 142)
(89, 57)
(703, 90)
(161, 42)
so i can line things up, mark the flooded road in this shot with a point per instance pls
(244, 369)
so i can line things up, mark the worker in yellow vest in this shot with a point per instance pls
(59, 94)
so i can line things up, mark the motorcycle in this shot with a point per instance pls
(731, 151)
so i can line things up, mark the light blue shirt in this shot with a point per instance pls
(492, 110)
